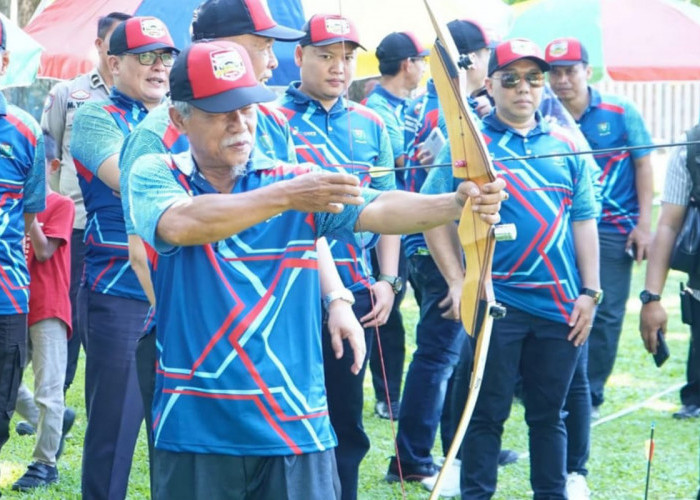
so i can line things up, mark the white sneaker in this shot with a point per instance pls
(450, 485)
(576, 487)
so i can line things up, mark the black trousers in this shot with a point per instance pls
(13, 354)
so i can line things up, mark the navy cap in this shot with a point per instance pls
(513, 50)
(222, 18)
(217, 77)
(397, 46)
(565, 52)
(469, 36)
(140, 34)
(327, 29)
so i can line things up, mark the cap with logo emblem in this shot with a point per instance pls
(327, 29)
(513, 50)
(216, 77)
(565, 52)
(140, 34)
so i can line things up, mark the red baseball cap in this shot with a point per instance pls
(565, 52)
(327, 29)
(221, 18)
(216, 76)
(513, 50)
(140, 34)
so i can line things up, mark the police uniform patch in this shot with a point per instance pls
(227, 65)
(153, 28)
(80, 95)
(48, 102)
(337, 26)
(559, 49)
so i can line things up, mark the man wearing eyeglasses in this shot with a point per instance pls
(141, 53)
(627, 188)
(402, 65)
(547, 278)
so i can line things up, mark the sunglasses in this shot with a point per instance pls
(510, 80)
(150, 58)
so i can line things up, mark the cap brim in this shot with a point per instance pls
(281, 33)
(544, 65)
(566, 63)
(151, 46)
(331, 41)
(234, 99)
(424, 53)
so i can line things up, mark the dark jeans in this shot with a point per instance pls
(345, 400)
(13, 357)
(536, 349)
(615, 276)
(113, 402)
(146, 373)
(578, 418)
(392, 337)
(438, 345)
(77, 263)
(194, 476)
(690, 392)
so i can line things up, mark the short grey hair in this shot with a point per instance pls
(182, 107)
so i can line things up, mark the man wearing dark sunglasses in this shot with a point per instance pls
(141, 52)
(547, 278)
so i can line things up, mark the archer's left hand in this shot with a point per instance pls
(486, 201)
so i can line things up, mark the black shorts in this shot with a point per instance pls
(190, 476)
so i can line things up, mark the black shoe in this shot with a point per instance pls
(68, 420)
(410, 472)
(381, 409)
(37, 474)
(24, 428)
(506, 457)
(687, 411)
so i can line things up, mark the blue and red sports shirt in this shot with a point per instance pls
(609, 122)
(392, 110)
(22, 190)
(240, 364)
(99, 130)
(347, 138)
(537, 272)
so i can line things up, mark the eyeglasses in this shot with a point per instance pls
(150, 58)
(417, 59)
(510, 80)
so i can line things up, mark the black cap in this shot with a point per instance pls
(469, 36)
(222, 18)
(397, 46)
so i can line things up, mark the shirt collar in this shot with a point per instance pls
(491, 120)
(3, 105)
(124, 101)
(186, 164)
(96, 80)
(303, 99)
(594, 98)
(393, 100)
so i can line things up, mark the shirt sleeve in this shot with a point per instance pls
(138, 143)
(637, 132)
(440, 180)
(678, 184)
(584, 205)
(35, 183)
(95, 136)
(53, 117)
(152, 190)
(342, 226)
(58, 223)
(384, 180)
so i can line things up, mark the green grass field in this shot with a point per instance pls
(617, 464)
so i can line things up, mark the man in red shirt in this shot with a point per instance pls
(48, 260)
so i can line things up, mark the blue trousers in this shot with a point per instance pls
(392, 337)
(536, 349)
(438, 345)
(113, 326)
(345, 400)
(615, 276)
(578, 417)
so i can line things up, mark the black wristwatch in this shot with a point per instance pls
(646, 296)
(395, 281)
(596, 295)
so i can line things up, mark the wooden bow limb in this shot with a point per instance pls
(471, 161)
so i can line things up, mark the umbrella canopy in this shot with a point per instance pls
(626, 39)
(24, 56)
(376, 19)
(68, 28)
